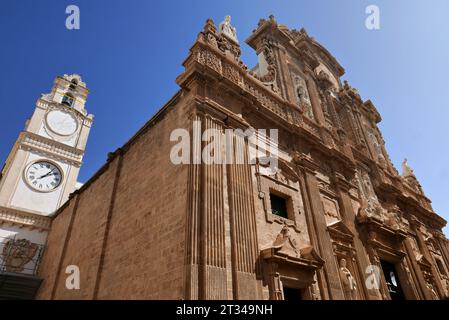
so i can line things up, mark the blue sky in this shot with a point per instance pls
(130, 52)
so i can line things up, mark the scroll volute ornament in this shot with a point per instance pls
(267, 49)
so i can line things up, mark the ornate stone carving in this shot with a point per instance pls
(17, 253)
(324, 80)
(432, 291)
(394, 218)
(267, 49)
(286, 242)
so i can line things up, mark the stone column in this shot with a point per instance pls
(324, 244)
(193, 212)
(244, 245)
(212, 250)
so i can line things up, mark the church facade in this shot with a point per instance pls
(334, 221)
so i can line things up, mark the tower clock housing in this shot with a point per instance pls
(42, 168)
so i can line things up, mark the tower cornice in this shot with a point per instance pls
(49, 147)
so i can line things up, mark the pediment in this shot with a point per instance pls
(285, 248)
(283, 169)
(288, 171)
(340, 228)
(286, 245)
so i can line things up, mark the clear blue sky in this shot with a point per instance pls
(130, 52)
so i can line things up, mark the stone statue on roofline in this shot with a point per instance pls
(227, 29)
(406, 170)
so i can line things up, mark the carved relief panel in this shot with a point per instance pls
(331, 209)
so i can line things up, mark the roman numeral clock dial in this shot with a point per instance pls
(43, 176)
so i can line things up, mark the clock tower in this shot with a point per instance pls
(42, 168)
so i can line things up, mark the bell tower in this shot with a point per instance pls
(42, 168)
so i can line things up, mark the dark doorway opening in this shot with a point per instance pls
(392, 279)
(292, 294)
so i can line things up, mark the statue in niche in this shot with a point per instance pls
(227, 29)
(348, 281)
(303, 97)
(301, 91)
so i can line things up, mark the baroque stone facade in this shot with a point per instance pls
(335, 221)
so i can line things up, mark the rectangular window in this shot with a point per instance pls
(278, 205)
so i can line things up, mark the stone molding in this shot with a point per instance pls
(24, 219)
(33, 142)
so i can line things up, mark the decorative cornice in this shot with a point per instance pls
(31, 141)
(84, 118)
(24, 219)
(210, 57)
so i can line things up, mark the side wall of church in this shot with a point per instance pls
(125, 230)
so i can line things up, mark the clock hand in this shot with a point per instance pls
(46, 175)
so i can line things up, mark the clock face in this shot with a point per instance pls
(43, 176)
(61, 122)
